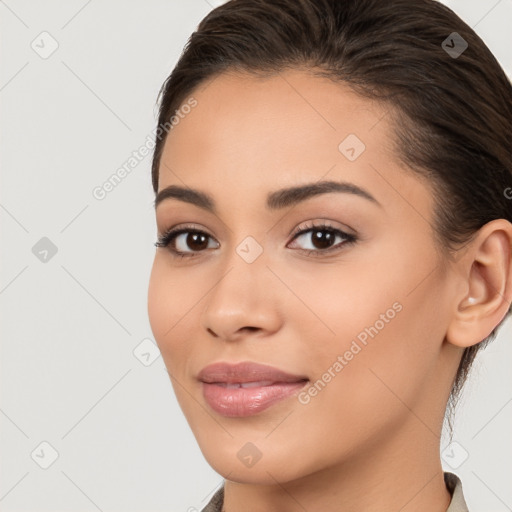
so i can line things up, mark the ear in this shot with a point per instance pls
(486, 273)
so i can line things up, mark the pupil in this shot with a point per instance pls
(322, 239)
(192, 239)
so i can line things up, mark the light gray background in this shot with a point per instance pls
(70, 325)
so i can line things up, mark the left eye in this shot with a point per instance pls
(323, 238)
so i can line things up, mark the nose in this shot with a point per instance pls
(244, 301)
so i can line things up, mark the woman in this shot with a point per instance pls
(334, 246)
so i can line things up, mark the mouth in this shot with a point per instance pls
(233, 385)
(247, 388)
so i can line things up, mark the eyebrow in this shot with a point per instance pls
(275, 200)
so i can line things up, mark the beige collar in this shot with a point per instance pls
(452, 481)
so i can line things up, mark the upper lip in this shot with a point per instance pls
(246, 371)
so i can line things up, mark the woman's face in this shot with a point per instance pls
(364, 321)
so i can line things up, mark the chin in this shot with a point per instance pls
(258, 463)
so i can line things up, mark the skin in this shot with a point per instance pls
(369, 440)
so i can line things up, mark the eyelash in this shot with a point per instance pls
(170, 235)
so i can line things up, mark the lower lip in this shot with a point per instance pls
(240, 402)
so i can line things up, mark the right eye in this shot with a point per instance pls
(179, 240)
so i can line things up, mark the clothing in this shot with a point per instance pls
(452, 481)
(454, 485)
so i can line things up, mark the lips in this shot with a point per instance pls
(245, 372)
(247, 388)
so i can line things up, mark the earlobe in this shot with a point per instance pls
(487, 270)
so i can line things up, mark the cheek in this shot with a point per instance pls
(371, 391)
(158, 306)
(170, 306)
(386, 326)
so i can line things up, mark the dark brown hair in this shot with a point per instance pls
(452, 113)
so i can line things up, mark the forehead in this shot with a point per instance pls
(258, 134)
(240, 109)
